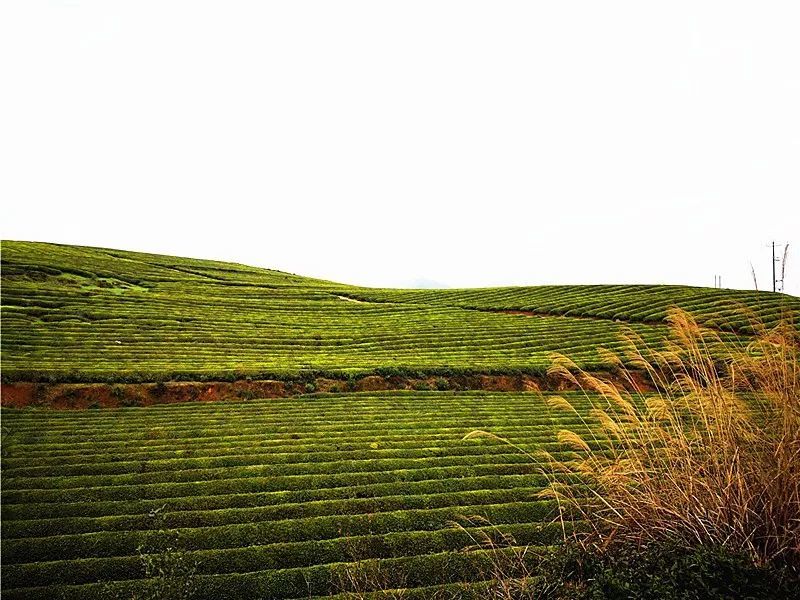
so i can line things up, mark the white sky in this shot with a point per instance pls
(399, 143)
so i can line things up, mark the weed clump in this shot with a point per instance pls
(711, 460)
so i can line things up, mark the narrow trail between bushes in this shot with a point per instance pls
(349, 299)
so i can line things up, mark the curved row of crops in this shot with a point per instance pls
(270, 498)
(728, 310)
(87, 314)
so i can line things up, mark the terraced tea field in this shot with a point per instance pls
(269, 498)
(312, 495)
(87, 314)
(726, 310)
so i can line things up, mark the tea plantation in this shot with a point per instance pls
(270, 498)
(86, 314)
(317, 495)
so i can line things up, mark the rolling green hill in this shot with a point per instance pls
(309, 496)
(88, 314)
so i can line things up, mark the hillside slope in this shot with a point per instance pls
(73, 313)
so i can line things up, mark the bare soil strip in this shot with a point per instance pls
(105, 395)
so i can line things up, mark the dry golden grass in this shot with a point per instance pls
(712, 457)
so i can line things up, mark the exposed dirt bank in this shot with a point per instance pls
(104, 395)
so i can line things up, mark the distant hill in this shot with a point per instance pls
(73, 313)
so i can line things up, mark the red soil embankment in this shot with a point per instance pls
(107, 395)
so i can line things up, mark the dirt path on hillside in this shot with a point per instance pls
(113, 395)
(348, 299)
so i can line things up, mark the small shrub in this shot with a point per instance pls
(661, 571)
(574, 571)
(132, 400)
(442, 384)
(247, 395)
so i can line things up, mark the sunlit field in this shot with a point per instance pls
(446, 482)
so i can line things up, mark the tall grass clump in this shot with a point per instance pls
(705, 454)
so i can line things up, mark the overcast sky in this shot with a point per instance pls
(411, 143)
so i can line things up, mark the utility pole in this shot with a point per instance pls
(777, 284)
(774, 282)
